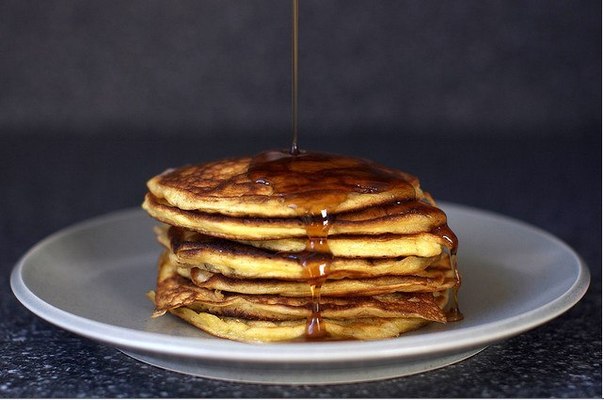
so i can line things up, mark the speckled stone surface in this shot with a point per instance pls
(554, 184)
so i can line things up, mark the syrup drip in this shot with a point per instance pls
(316, 262)
(452, 313)
(317, 268)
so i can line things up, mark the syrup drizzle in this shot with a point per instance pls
(316, 261)
(294, 150)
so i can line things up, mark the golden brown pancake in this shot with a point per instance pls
(229, 186)
(233, 259)
(285, 331)
(429, 280)
(398, 218)
(420, 244)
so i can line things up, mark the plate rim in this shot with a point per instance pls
(226, 350)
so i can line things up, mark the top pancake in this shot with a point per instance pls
(275, 184)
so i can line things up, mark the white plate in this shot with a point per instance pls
(91, 279)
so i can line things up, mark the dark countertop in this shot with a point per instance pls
(50, 182)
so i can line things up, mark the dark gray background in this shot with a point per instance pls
(216, 66)
(492, 104)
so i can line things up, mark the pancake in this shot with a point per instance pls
(237, 260)
(232, 187)
(280, 308)
(174, 291)
(425, 244)
(286, 331)
(430, 280)
(398, 218)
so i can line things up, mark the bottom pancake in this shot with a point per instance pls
(267, 331)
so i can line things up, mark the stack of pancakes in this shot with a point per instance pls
(314, 246)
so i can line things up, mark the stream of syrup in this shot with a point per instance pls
(294, 150)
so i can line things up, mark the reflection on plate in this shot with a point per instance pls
(91, 279)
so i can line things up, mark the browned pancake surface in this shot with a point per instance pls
(228, 187)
